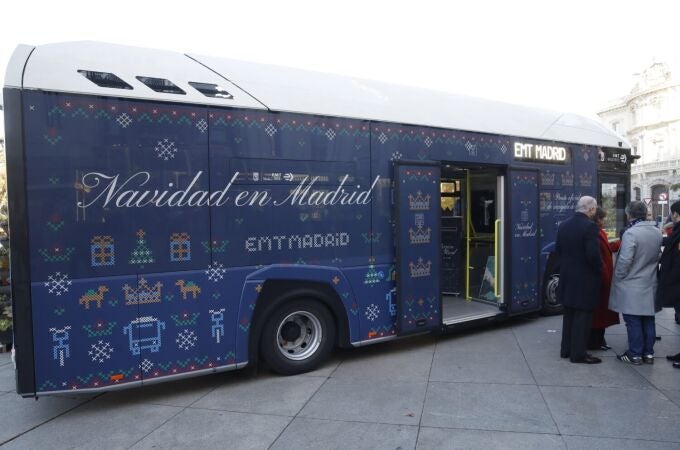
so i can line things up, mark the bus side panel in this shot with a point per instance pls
(296, 189)
(195, 327)
(556, 204)
(89, 161)
(375, 297)
(19, 250)
(585, 170)
(524, 240)
(79, 334)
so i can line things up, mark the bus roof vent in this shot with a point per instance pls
(105, 79)
(161, 85)
(211, 90)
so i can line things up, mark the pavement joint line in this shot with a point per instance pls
(550, 434)
(203, 408)
(427, 389)
(545, 402)
(50, 419)
(302, 407)
(171, 417)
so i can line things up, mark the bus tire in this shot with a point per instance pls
(551, 306)
(297, 337)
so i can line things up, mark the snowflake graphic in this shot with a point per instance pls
(202, 125)
(58, 283)
(100, 352)
(372, 312)
(270, 129)
(396, 156)
(124, 120)
(330, 134)
(186, 339)
(382, 138)
(504, 149)
(215, 272)
(146, 365)
(428, 141)
(166, 149)
(471, 148)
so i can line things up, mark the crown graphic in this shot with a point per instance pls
(143, 293)
(420, 236)
(567, 178)
(585, 179)
(420, 269)
(547, 178)
(419, 202)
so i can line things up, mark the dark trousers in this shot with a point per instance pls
(596, 339)
(575, 333)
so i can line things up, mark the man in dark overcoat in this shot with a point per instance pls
(580, 276)
(668, 290)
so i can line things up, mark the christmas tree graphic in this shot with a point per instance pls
(372, 276)
(141, 254)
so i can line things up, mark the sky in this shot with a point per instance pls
(572, 56)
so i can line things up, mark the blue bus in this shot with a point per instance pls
(175, 214)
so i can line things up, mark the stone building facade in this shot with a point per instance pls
(649, 117)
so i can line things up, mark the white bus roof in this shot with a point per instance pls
(54, 67)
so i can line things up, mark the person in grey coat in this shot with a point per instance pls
(634, 284)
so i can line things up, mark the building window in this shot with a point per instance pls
(615, 126)
(638, 195)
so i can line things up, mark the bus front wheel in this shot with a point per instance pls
(298, 337)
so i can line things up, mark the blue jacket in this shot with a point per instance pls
(577, 247)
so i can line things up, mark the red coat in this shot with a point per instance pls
(602, 316)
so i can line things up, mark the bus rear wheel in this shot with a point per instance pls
(298, 337)
(551, 305)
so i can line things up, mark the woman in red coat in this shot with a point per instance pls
(603, 317)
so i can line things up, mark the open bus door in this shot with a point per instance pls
(418, 248)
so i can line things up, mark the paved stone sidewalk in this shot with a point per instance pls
(503, 386)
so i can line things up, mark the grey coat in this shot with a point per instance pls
(634, 282)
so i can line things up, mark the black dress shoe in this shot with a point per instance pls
(676, 365)
(588, 359)
(564, 355)
(675, 358)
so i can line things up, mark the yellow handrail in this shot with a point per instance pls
(495, 258)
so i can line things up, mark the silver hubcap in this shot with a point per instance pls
(551, 289)
(299, 335)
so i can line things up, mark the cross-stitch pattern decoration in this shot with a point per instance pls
(186, 339)
(100, 351)
(185, 318)
(180, 247)
(166, 149)
(143, 293)
(144, 333)
(58, 283)
(102, 251)
(93, 296)
(217, 323)
(100, 328)
(372, 312)
(56, 254)
(141, 254)
(215, 272)
(188, 288)
(61, 349)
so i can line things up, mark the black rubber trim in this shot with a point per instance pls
(20, 263)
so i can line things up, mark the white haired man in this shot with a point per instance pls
(578, 250)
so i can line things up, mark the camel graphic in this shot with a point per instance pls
(189, 287)
(93, 296)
